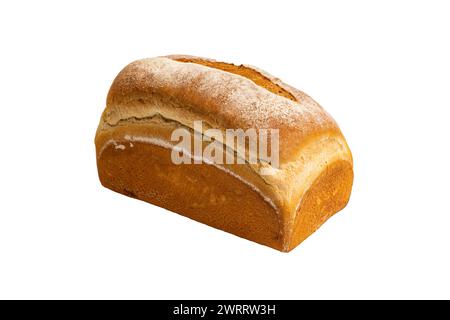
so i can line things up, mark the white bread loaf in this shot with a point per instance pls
(275, 206)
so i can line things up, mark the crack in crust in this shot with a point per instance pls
(247, 72)
(160, 118)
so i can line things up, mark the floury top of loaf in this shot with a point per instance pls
(179, 90)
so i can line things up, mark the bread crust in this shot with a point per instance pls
(221, 99)
(152, 97)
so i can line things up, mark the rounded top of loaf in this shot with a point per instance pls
(186, 88)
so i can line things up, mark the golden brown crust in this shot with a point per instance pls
(152, 97)
(222, 99)
(328, 194)
(200, 192)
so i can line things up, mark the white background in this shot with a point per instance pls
(381, 68)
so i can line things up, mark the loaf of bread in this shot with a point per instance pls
(274, 203)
